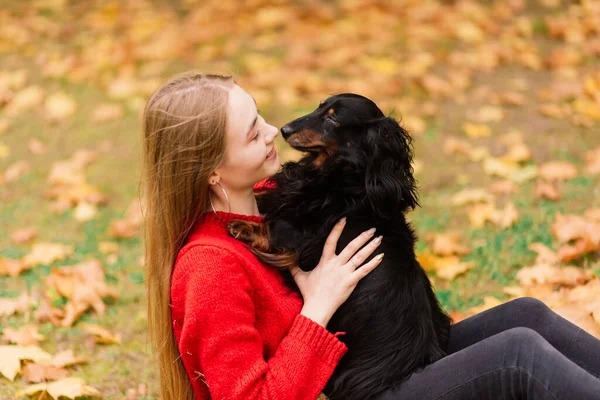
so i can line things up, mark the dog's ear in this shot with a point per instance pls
(389, 181)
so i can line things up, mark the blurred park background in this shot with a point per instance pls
(502, 99)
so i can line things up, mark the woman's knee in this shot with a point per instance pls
(523, 347)
(529, 309)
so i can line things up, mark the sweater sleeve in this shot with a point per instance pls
(218, 329)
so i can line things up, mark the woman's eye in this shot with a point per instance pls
(255, 138)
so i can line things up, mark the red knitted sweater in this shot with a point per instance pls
(238, 326)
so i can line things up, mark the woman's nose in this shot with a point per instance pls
(273, 133)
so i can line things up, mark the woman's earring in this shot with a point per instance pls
(226, 197)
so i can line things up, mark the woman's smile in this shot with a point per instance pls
(272, 154)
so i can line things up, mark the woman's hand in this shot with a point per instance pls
(327, 287)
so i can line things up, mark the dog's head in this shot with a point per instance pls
(350, 130)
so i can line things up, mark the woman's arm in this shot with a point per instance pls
(218, 336)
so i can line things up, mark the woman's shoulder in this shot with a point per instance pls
(214, 252)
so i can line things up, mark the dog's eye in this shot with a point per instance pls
(330, 119)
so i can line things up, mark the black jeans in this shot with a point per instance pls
(518, 350)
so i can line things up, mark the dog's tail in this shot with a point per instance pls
(256, 237)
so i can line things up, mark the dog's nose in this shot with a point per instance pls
(286, 131)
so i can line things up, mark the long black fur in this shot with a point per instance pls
(360, 167)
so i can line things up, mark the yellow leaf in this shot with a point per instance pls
(59, 106)
(11, 357)
(558, 171)
(476, 195)
(476, 131)
(71, 388)
(85, 211)
(102, 334)
(509, 170)
(47, 253)
(24, 100)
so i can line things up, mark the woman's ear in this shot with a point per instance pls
(390, 185)
(213, 178)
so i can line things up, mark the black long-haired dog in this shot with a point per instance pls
(358, 165)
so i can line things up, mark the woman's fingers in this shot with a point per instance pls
(332, 239)
(361, 272)
(354, 245)
(364, 253)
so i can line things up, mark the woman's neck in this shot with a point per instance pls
(241, 202)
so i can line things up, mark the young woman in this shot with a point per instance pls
(225, 326)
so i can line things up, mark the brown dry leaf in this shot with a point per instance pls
(24, 336)
(558, 171)
(36, 147)
(84, 285)
(488, 114)
(509, 170)
(108, 112)
(488, 302)
(24, 100)
(474, 195)
(552, 111)
(59, 106)
(47, 312)
(70, 388)
(16, 170)
(453, 146)
(476, 131)
(415, 125)
(585, 294)
(592, 158)
(503, 187)
(572, 227)
(581, 247)
(11, 357)
(512, 99)
(456, 316)
(47, 253)
(479, 214)
(11, 267)
(445, 267)
(505, 217)
(34, 372)
(102, 334)
(66, 358)
(447, 244)
(545, 254)
(23, 235)
(517, 153)
(10, 306)
(593, 214)
(108, 247)
(545, 273)
(547, 190)
(588, 108)
(451, 267)
(130, 225)
(579, 316)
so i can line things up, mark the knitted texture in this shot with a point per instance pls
(238, 326)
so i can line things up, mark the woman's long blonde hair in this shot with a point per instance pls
(183, 143)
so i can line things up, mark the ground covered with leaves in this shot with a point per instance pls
(501, 97)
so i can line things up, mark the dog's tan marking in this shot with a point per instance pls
(305, 138)
(331, 111)
(320, 159)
